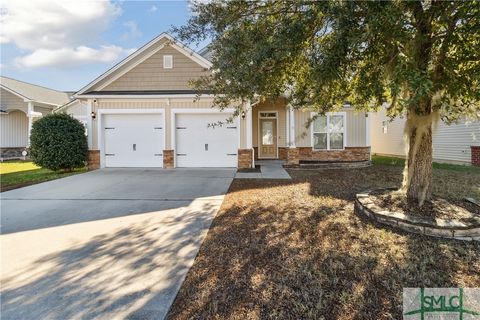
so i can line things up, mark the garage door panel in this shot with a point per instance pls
(134, 140)
(201, 145)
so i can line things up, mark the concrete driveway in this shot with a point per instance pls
(110, 244)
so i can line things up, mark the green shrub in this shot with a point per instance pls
(58, 141)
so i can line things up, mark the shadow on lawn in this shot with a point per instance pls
(132, 272)
(310, 257)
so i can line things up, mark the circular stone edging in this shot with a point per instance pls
(443, 228)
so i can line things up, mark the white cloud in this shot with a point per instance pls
(153, 8)
(68, 57)
(56, 33)
(133, 30)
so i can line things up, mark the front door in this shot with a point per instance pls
(268, 138)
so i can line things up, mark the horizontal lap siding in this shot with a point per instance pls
(356, 129)
(13, 129)
(452, 143)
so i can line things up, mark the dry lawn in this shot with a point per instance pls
(296, 250)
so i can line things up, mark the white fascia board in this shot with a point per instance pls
(147, 96)
(179, 46)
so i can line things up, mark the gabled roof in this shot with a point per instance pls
(33, 92)
(136, 56)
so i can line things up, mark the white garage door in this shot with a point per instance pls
(200, 145)
(133, 140)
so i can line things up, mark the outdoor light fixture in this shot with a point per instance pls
(93, 114)
(243, 115)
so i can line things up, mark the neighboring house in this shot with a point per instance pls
(451, 143)
(143, 113)
(21, 104)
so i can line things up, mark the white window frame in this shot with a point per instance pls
(328, 114)
(165, 58)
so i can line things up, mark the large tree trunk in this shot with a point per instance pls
(417, 176)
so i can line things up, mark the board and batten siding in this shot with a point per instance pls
(451, 143)
(14, 129)
(150, 74)
(355, 128)
(14, 124)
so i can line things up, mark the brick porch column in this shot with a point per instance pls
(293, 156)
(93, 162)
(168, 159)
(245, 158)
(475, 155)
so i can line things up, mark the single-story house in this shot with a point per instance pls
(21, 104)
(455, 143)
(143, 113)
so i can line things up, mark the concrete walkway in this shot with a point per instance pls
(269, 169)
(107, 244)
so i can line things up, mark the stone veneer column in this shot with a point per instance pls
(292, 156)
(245, 158)
(475, 155)
(93, 159)
(168, 159)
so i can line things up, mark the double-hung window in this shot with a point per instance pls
(328, 131)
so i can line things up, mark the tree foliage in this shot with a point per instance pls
(323, 54)
(58, 141)
(420, 58)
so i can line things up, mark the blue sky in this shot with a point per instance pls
(65, 44)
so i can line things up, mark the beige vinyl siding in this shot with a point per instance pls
(391, 142)
(119, 71)
(44, 111)
(13, 129)
(11, 101)
(150, 74)
(166, 104)
(280, 107)
(452, 142)
(355, 128)
(77, 109)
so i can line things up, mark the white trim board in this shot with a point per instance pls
(101, 112)
(328, 114)
(144, 96)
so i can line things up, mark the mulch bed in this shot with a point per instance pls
(296, 250)
(395, 201)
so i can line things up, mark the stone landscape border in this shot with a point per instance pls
(442, 228)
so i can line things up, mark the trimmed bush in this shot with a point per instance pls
(58, 141)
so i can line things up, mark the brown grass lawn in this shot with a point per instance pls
(296, 250)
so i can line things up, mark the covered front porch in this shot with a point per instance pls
(271, 129)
